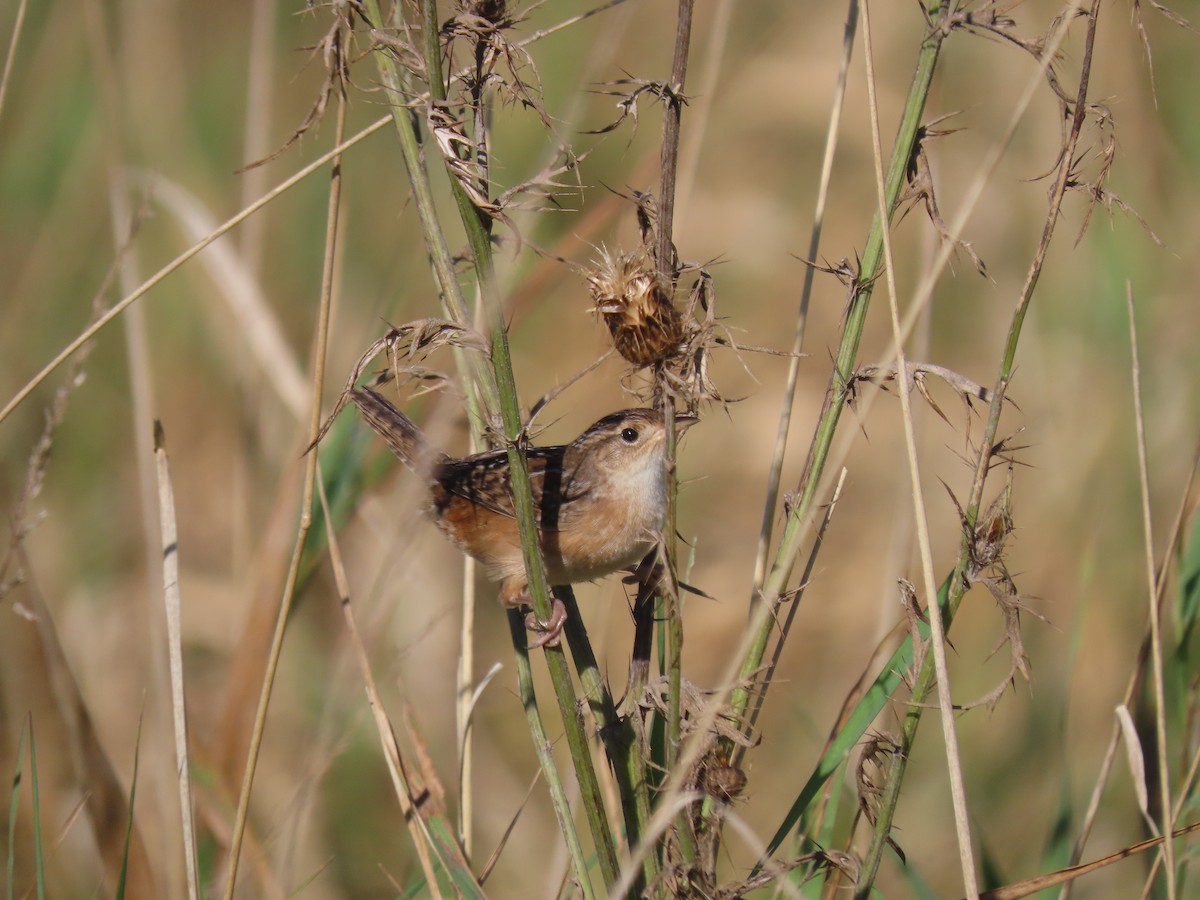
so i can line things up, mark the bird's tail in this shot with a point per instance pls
(403, 436)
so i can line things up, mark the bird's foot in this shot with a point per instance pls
(547, 632)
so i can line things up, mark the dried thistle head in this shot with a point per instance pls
(632, 301)
(494, 11)
(725, 782)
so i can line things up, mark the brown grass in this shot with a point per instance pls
(153, 109)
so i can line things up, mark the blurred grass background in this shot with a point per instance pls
(102, 95)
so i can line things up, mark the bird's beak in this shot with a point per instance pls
(683, 423)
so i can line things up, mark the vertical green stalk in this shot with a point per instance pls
(477, 228)
(542, 748)
(838, 390)
(664, 258)
(959, 581)
(479, 385)
(621, 742)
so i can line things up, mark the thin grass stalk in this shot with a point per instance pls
(750, 837)
(12, 51)
(123, 874)
(39, 861)
(938, 635)
(125, 224)
(775, 470)
(671, 805)
(257, 121)
(141, 385)
(1068, 876)
(306, 503)
(788, 400)
(665, 262)
(418, 830)
(101, 321)
(501, 395)
(854, 723)
(785, 628)
(664, 249)
(477, 381)
(477, 227)
(701, 109)
(621, 742)
(793, 607)
(479, 386)
(958, 583)
(172, 603)
(464, 685)
(1134, 684)
(837, 392)
(438, 87)
(1156, 657)
(560, 676)
(542, 748)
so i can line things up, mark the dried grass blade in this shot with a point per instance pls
(12, 51)
(855, 723)
(107, 806)
(258, 324)
(88, 333)
(937, 627)
(1031, 886)
(431, 832)
(503, 842)
(172, 603)
(1134, 683)
(1156, 648)
(1137, 764)
(814, 246)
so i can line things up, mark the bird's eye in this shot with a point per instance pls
(629, 435)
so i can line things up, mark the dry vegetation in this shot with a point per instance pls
(656, 214)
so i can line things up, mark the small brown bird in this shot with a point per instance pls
(600, 501)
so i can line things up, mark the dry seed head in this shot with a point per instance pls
(631, 299)
(724, 782)
(494, 11)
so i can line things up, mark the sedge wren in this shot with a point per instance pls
(599, 502)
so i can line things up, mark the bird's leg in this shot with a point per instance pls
(647, 574)
(514, 592)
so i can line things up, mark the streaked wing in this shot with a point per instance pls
(484, 479)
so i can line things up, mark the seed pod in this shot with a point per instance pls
(724, 782)
(494, 11)
(631, 299)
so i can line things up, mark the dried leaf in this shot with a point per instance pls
(1137, 765)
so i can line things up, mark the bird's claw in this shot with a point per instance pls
(548, 631)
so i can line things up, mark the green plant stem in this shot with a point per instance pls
(621, 742)
(480, 386)
(895, 775)
(959, 581)
(542, 748)
(477, 227)
(39, 862)
(664, 253)
(664, 250)
(560, 676)
(859, 719)
(838, 390)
